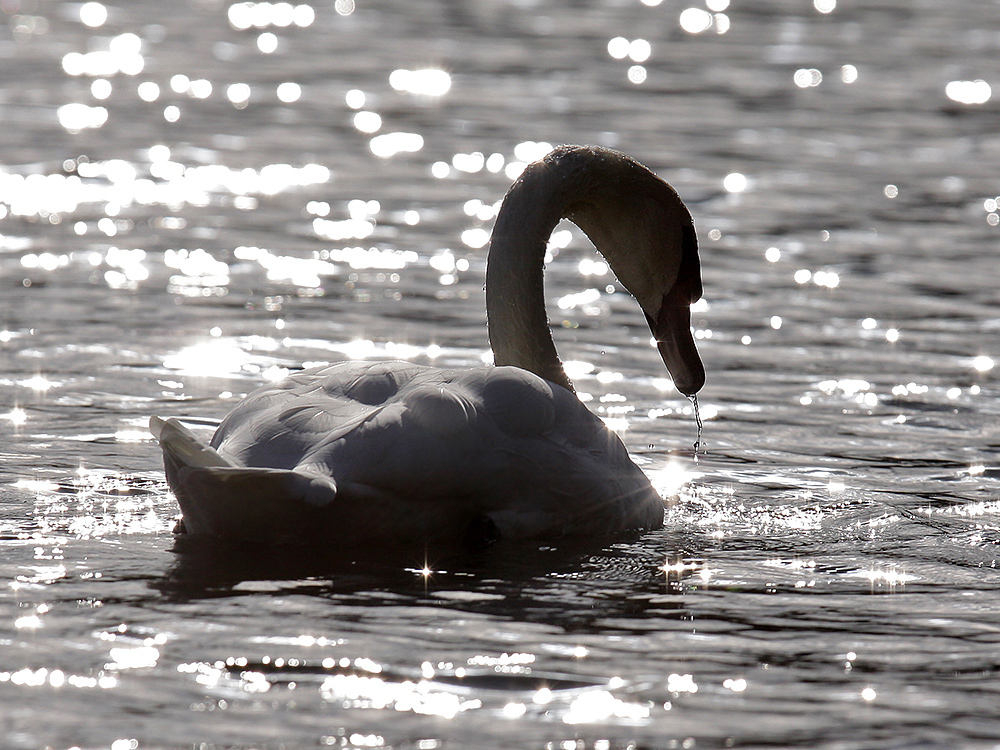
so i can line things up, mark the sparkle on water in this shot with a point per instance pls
(192, 204)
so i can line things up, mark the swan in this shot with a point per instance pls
(392, 452)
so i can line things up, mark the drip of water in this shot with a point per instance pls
(698, 448)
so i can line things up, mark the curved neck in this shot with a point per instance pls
(635, 220)
(515, 298)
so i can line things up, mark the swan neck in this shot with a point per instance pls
(515, 297)
(635, 220)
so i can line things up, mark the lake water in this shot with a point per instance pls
(198, 197)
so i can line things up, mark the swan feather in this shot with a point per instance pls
(405, 451)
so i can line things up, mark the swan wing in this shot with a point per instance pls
(399, 451)
(275, 506)
(220, 498)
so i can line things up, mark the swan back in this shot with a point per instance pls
(402, 451)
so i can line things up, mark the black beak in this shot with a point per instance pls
(675, 342)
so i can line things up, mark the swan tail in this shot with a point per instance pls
(184, 446)
(219, 498)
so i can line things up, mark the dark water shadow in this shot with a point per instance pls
(206, 568)
(571, 584)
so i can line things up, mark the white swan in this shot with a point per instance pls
(397, 452)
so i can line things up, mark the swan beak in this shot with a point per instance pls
(674, 340)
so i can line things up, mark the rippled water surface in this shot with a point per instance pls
(199, 197)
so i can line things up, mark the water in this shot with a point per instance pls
(826, 578)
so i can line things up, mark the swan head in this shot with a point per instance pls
(668, 312)
(646, 233)
(671, 329)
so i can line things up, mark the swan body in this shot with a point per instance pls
(395, 452)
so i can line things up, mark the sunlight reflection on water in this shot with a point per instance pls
(192, 204)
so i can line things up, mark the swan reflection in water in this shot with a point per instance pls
(400, 453)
